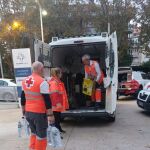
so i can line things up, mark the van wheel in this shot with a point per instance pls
(112, 118)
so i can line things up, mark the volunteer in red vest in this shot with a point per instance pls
(36, 106)
(58, 96)
(93, 72)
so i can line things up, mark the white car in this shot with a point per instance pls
(131, 82)
(141, 77)
(143, 99)
(8, 90)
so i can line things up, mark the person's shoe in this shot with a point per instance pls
(97, 106)
(62, 131)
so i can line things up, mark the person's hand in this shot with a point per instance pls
(51, 119)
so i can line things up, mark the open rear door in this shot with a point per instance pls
(112, 73)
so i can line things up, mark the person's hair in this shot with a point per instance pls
(86, 57)
(55, 72)
(36, 66)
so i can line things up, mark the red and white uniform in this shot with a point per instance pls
(93, 70)
(58, 95)
(34, 86)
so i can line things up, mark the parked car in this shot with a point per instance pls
(8, 90)
(131, 82)
(143, 99)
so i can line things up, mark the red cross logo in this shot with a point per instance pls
(29, 82)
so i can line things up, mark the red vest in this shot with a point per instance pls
(91, 71)
(34, 99)
(58, 95)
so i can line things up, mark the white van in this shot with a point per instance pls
(66, 53)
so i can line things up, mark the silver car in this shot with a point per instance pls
(8, 90)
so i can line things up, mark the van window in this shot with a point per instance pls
(129, 77)
(122, 77)
(136, 75)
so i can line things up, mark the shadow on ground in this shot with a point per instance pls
(145, 113)
(126, 98)
(87, 122)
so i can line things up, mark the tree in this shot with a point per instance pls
(11, 30)
(144, 20)
(65, 18)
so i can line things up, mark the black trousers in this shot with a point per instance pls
(57, 116)
(38, 124)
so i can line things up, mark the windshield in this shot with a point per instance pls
(145, 76)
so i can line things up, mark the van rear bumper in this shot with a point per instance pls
(85, 113)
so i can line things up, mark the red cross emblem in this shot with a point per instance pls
(29, 82)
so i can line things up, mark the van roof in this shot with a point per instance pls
(77, 40)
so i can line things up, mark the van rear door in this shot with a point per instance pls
(112, 73)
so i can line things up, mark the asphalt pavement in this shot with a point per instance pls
(131, 131)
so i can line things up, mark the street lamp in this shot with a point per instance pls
(44, 13)
(16, 24)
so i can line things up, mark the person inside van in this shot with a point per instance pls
(58, 96)
(94, 72)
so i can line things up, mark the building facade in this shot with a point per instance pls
(136, 50)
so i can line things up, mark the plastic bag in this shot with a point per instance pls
(23, 128)
(88, 86)
(53, 137)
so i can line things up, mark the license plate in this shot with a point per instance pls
(141, 104)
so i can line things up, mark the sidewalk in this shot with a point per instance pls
(8, 131)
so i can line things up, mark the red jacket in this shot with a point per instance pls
(58, 95)
(91, 71)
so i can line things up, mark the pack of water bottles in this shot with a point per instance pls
(54, 137)
(23, 128)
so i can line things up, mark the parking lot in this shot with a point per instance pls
(130, 131)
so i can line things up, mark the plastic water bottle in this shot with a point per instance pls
(26, 127)
(53, 137)
(23, 128)
(49, 140)
(19, 129)
(56, 138)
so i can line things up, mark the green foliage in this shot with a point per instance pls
(124, 59)
(144, 20)
(146, 64)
